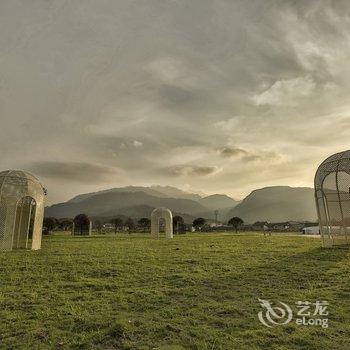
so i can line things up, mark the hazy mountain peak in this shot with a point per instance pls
(277, 204)
(218, 201)
(175, 192)
(130, 189)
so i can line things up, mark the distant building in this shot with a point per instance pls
(215, 224)
(108, 226)
(287, 226)
(311, 230)
(259, 225)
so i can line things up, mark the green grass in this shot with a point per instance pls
(192, 292)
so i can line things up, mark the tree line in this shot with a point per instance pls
(51, 223)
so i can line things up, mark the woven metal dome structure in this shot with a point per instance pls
(167, 216)
(82, 225)
(21, 210)
(332, 194)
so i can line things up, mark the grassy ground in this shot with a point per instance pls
(192, 292)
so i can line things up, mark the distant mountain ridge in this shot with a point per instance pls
(156, 191)
(174, 192)
(277, 204)
(272, 204)
(109, 203)
(218, 201)
(130, 189)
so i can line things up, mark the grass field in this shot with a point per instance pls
(192, 292)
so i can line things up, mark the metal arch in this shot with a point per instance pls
(339, 199)
(333, 158)
(336, 213)
(162, 213)
(15, 186)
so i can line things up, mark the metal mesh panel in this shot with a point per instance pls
(332, 195)
(7, 215)
(18, 192)
(22, 223)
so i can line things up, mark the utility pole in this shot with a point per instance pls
(216, 212)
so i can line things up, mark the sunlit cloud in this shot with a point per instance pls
(215, 96)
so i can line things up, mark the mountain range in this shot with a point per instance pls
(272, 204)
(156, 191)
(138, 202)
(277, 204)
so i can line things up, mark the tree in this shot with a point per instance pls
(129, 223)
(178, 223)
(236, 222)
(66, 224)
(198, 223)
(49, 224)
(145, 223)
(117, 222)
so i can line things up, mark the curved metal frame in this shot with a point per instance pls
(162, 213)
(332, 197)
(16, 212)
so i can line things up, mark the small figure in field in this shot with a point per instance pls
(266, 231)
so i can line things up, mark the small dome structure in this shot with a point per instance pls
(332, 195)
(21, 210)
(167, 216)
(82, 225)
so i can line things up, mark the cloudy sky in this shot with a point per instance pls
(218, 96)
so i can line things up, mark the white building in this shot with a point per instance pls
(312, 230)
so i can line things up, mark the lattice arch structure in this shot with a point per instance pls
(162, 214)
(82, 225)
(21, 210)
(332, 195)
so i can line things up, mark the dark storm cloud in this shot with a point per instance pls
(233, 152)
(74, 171)
(148, 85)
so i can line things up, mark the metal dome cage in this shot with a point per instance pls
(21, 210)
(332, 195)
(82, 225)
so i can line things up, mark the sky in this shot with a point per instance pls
(220, 96)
